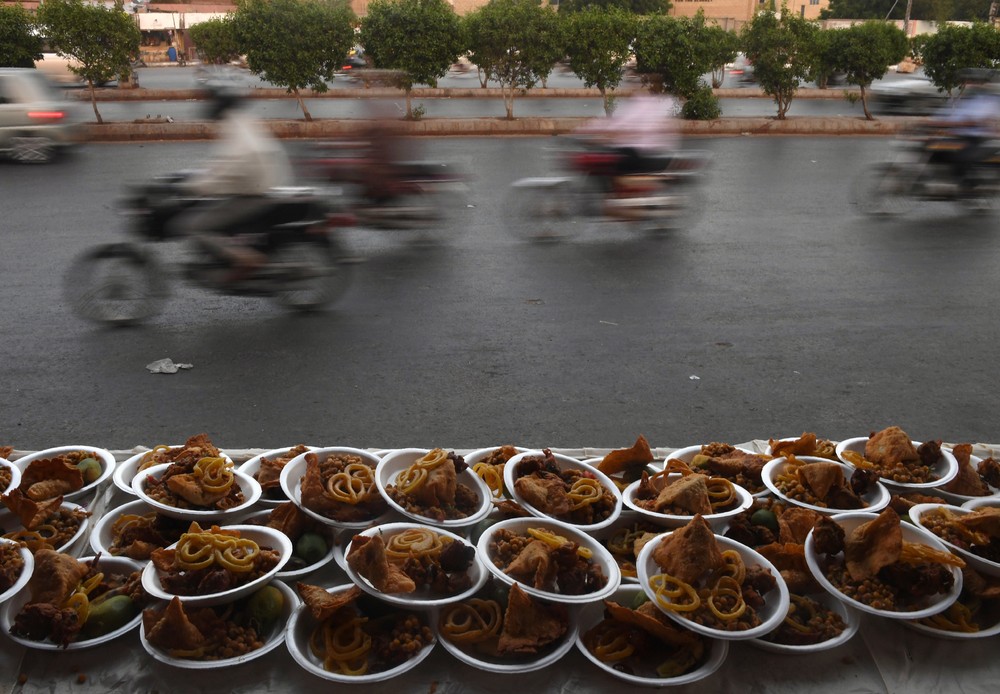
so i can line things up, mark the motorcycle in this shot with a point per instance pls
(127, 282)
(666, 194)
(925, 171)
(412, 195)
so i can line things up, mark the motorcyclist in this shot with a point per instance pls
(641, 130)
(246, 164)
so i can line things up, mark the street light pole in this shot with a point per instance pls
(906, 19)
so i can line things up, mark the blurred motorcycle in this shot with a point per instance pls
(666, 194)
(127, 282)
(926, 170)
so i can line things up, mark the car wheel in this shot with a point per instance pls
(32, 149)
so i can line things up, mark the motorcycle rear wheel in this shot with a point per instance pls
(316, 275)
(883, 191)
(117, 284)
(543, 212)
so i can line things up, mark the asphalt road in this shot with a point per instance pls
(781, 311)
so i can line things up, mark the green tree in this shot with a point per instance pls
(598, 43)
(824, 58)
(20, 46)
(954, 48)
(720, 46)
(101, 39)
(296, 44)
(641, 7)
(931, 10)
(865, 51)
(781, 47)
(215, 40)
(513, 42)
(671, 54)
(420, 39)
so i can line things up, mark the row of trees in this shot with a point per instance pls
(300, 44)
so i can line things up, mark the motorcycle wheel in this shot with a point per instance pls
(316, 274)
(686, 214)
(117, 284)
(542, 213)
(882, 191)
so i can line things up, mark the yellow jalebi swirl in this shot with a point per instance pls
(492, 475)
(472, 621)
(623, 542)
(857, 460)
(612, 644)
(584, 492)
(79, 600)
(727, 588)
(801, 611)
(721, 493)
(153, 457)
(201, 550)
(215, 475)
(916, 553)
(343, 647)
(415, 542)
(130, 520)
(734, 565)
(674, 594)
(958, 618)
(556, 541)
(410, 479)
(352, 485)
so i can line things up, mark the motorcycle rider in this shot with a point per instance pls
(641, 130)
(972, 123)
(246, 164)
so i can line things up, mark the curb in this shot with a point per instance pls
(479, 127)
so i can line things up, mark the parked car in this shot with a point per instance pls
(36, 122)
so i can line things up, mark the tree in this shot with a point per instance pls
(513, 42)
(932, 10)
(865, 51)
(296, 44)
(20, 46)
(598, 43)
(641, 7)
(102, 40)
(720, 46)
(419, 38)
(781, 47)
(954, 48)
(216, 40)
(670, 54)
(823, 64)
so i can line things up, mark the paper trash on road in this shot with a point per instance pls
(166, 366)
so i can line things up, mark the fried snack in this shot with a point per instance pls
(48, 478)
(322, 603)
(890, 447)
(724, 460)
(807, 622)
(194, 449)
(545, 561)
(368, 559)
(627, 459)
(789, 558)
(490, 469)
(55, 577)
(968, 481)
(172, 630)
(690, 552)
(874, 545)
(473, 621)
(567, 494)
(529, 625)
(31, 513)
(269, 473)
(430, 488)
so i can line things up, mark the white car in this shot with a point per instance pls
(36, 122)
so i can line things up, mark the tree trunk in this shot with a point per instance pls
(483, 78)
(508, 100)
(718, 75)
(607, 99)
(93, 101)
(782, 107)
(409, 111)
(302, 105)
(864, 103)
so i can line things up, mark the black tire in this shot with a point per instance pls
(32, 149)
(883, 191)
(685, 212)
(117, 284)
(316, 274)
(544, 212)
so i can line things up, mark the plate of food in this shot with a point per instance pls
(504, 630)
(188, 453)
(344, 635)
(550, 560)
(134, 530)
(103, 592)
(975, 615)
(985, 502)
(977, 478)
(336, 486)
(52, 524)
(10, 475)
(185, 636)
(741, 466)
(313, 543)
(903, 464)
(629, 638)
(266, 469)
(672, 499)
(413, 565)
(209, 489)
(216, 566)
(808, 444)
(881, 566)
(824, 486)
(623, 466)
(815, 622)
(435, 487)
(16, 565)
(70, 472)
(711, 584)
(489, 464)
(973, 534)
(551, 485)
(624, 539)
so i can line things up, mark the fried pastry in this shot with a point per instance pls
(690, 552)
(529, 625)
(874, 545)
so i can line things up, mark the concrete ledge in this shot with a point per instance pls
(440, 127)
